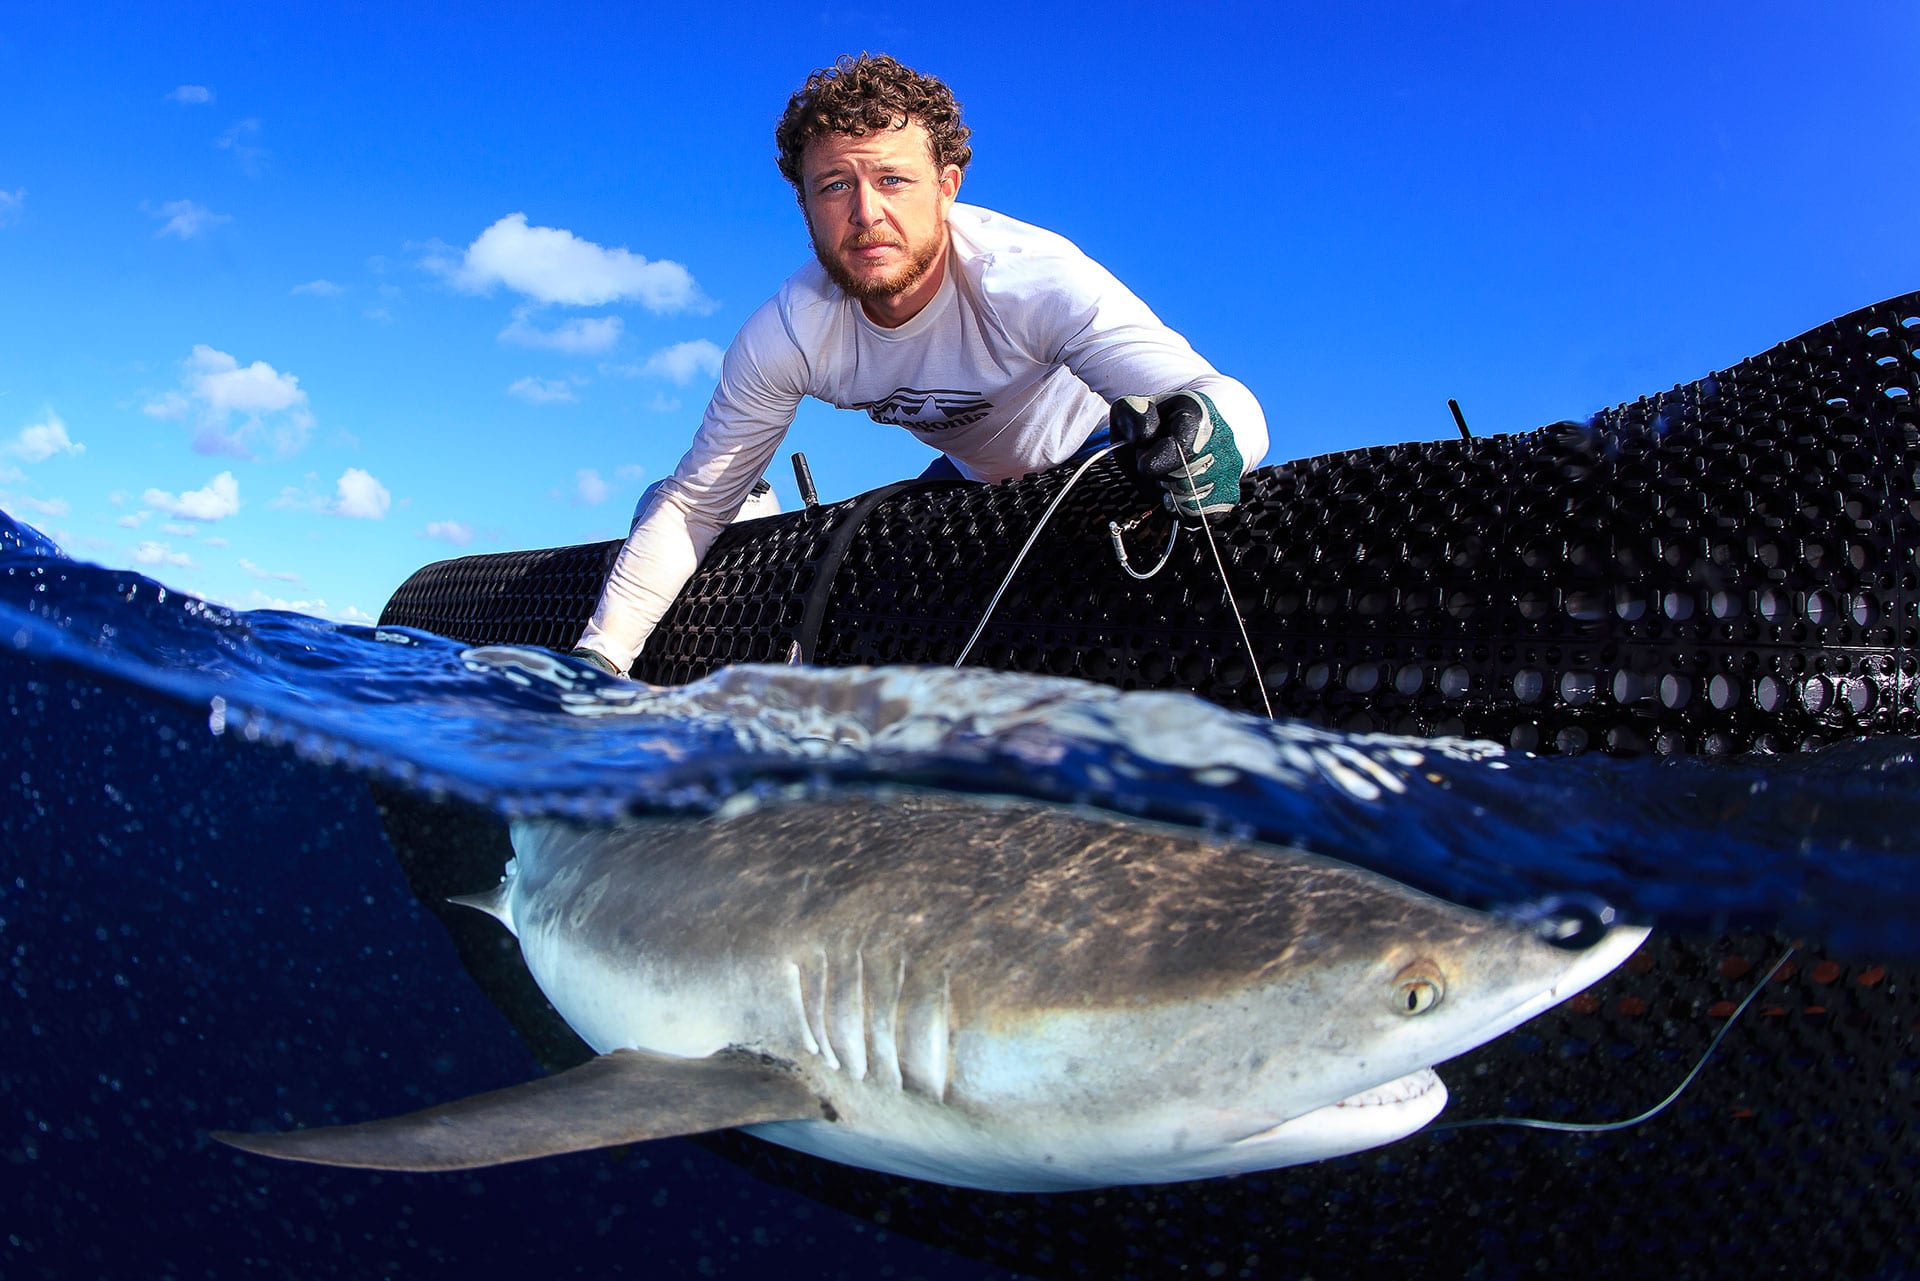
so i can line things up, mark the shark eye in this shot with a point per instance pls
(1417, 989)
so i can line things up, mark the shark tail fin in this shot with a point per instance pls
(627, 1096)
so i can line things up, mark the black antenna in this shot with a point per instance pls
(1459, 419)
(803, 476)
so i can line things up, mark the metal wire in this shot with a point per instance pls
(1032, 538)
(1120, 550)
(1599, 1127)
(1253, 659)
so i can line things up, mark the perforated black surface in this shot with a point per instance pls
(508, 598)
(1726, 566)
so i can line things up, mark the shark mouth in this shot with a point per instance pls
(1405, 1090)
(1376, 1115)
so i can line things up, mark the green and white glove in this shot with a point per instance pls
(594, 658)
(1180, 443)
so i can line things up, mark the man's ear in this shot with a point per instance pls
(950, 181)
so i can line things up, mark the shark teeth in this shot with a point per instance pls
(1404, 1090)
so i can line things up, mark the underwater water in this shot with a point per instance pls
(205, 926)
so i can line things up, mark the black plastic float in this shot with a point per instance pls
(1727, 566)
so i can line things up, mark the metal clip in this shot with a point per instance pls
(1116, 532)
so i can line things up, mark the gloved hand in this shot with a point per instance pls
(594, 658)
(1205, 485)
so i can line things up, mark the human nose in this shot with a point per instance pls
(866, 205)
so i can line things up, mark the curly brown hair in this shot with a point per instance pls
(868, 93)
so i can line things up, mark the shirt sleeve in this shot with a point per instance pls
(1082, 317)
(762, 378)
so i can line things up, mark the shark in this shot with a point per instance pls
(979, 991)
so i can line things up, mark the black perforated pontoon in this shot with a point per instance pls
(1726, 566)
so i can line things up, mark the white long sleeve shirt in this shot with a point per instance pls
(1008, 369)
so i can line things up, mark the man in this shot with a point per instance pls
(997, 343)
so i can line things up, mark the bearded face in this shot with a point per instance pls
(876, 208)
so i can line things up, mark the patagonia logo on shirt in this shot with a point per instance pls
(934, 409)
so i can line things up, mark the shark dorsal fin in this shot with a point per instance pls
(627, 1096)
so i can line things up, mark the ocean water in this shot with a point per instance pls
(205, 927)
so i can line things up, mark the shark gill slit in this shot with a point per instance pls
(797, 991)
(943, 1035)
(847, 1020)
(885, 1029)
(869, 1034)
(923, 1032)
(822, 1025)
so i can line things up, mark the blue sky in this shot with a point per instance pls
(296, 298)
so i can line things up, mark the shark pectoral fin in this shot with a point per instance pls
(624, 1097)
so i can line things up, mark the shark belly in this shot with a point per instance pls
(947, 1147)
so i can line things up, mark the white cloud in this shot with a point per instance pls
(581, 337)
(552, 265)
(257, 599)
(281, 576)
(682, 361)
(152, 553)
(218, 500)
(133, 520)
(213, 542)
(663, 404)
(170, 405)
(317, 607)
(292, 499)
(449, 531)
(11, 202)
(40, 441)
(319, 289)
(184, 219)
(357, 496)
(226, 388)
(240, 139)
(191, 95)
(630, 471)
(221, 390)
(361, 496)
(8, 475)
(180, 531)
(542, 391)
(55, 507)
(589, 488)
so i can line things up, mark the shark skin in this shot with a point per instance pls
(980, 992)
